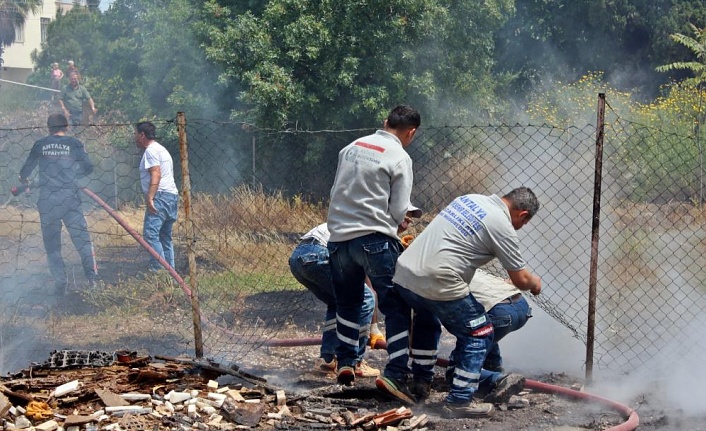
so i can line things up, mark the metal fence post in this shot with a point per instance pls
(598, 175)
(191, 235)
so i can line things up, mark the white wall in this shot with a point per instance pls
(18, 63)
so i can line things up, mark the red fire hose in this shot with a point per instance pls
(630, 424)
(632, 418)
(139, 239)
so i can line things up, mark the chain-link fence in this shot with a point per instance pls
(253, 192)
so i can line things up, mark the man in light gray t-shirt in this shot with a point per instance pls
(434, 273)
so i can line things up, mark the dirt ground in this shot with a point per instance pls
(291, 368)
(314, 393)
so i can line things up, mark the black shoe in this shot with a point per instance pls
(420, 388)
(395, 389)
(508, 385)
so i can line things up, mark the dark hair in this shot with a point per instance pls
(523, 199)
(147, 128)
(403, 116)
(57, 123)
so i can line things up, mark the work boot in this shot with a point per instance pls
(346, 375)
(395, 389)
(420, 388)
(470, 410)
(362, 369)
(326, 367)
(508, 385)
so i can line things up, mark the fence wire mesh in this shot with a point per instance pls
(254, 192)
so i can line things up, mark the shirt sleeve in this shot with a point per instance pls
(85, 166)
(507, 249)
(401, 190)
(30, 163)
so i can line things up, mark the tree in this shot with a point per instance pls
(697, 45)
(344, 64)
(142, 60)
(561, 40)
(13, 15)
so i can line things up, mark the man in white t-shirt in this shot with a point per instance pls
(434, 274)
(161, 194)
(506, 307)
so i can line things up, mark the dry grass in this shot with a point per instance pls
(247, 210)
(18, 221)
(673, 215)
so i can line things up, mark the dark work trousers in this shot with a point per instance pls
(58, 208)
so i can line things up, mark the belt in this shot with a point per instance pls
(310, 240)
(514, 298)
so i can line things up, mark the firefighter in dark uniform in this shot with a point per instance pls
(62, 160)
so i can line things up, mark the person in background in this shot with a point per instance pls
(62, 160)
(369, 200)
(56, 76)
(434, 275)
(71, 69)
(309, 264)
(161, 194)
(73, 98)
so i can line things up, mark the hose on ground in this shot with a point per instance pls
(631, 423)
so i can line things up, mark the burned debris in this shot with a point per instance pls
(91, 391)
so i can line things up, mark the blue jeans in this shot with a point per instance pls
(375, 255)
(157, 228)
(466, 319)
(55, 209)
(309, 263)
(424, 342)
(506, 318)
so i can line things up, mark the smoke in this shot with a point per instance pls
(671, 380)
(543, 345)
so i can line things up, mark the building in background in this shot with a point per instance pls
(18, 61)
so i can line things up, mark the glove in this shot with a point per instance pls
(39, 410)
(407, 240)
(16, 190)
(375, 335)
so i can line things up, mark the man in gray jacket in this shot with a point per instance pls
(369, 199)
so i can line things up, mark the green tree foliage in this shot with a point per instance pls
(13, 15)
(139, 59)
(650, 149)
(697, 45)
(313, 64)
(564, 39)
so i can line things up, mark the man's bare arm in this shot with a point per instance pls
(525, 280)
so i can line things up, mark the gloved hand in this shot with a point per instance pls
(407, 240)
(22, 187)
(39, 410)
(375, 335)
